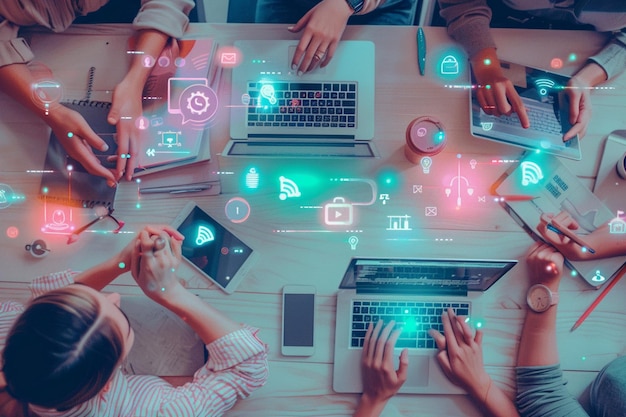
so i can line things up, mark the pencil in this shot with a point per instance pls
(603, 294)
(557, 228)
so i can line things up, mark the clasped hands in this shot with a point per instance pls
(152, 259)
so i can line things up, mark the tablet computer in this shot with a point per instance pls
(213, 250)
(547, 105)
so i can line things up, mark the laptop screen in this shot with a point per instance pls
(423, 275)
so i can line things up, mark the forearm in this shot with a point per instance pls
(368, 407)
(16, 80)
(209, 323)
(150, 43)
(102, 274)
(592, 74)
(494, 402)
(537, 345)
(468, 23)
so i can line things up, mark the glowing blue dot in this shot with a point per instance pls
(479, 324)
(488, 87)
(574, 273)
(138, 205)
(584, 358)
(487, 61)
(121, 265)
(138, 180)
(583, 249)
(44, 190)
(162, 289)
(70, 134)
(572, 57)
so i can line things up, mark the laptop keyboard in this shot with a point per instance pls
(416, 318)
(295, 104)
(542, 119)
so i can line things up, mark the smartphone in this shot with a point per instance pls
(212, 249)
(298, 335)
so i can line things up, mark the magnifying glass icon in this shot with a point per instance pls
(267, 91)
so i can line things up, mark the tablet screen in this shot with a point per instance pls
(212, 248)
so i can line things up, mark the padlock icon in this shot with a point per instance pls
(338, 213)
(449, 65)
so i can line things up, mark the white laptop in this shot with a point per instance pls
(413, 292)
(328, 112)
(547, 106)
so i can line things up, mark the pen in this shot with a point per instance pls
(556, 228)
(603, 294)
(176, 189)
(421, 50)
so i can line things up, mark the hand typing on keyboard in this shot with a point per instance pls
(496, 94)
(381, 380)
(461, 355)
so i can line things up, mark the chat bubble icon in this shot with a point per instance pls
(198, 103)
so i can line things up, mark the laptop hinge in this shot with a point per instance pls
(409, 289)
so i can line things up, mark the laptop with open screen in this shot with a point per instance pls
(327, 112)
(547, 106)
(414, 293)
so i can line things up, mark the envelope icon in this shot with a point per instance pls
(449, 65)
(228, 58)
(417, 188)
(430, 211)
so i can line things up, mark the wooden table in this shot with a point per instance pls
(294, 245)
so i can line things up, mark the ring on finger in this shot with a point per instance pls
(159, 244)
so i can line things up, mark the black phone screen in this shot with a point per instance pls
(212, 248)
(298, 317)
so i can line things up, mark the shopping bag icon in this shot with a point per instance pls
(338, 213)
(449, 65)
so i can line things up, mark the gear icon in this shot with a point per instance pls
(198, 103)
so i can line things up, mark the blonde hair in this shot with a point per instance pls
(61, 352)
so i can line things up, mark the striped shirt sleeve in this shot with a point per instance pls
(237, 366)
(52, 281)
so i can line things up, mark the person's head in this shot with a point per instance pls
(65, 346)
(607, 394)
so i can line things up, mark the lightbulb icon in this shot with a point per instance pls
(353, 241)
(426, 162)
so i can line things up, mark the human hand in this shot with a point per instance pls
(461, 355)
(323, 26)
(545, 265)
(380, 379)
(126, 111)
(565, 245)
(578, 92)
(154, 261)
(78, 138)
(496, 94)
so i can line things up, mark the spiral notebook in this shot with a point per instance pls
(75, 186)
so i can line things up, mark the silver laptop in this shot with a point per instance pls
(414, 293)
(327, 112)
(547, 106)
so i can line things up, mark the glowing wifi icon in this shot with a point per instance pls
(543, 85)
(204, 235)
(288, 189)
(531, 173)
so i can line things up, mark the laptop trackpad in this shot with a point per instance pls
(418, 371)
